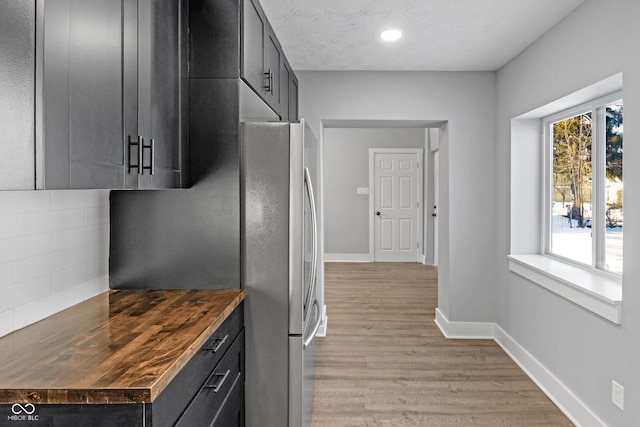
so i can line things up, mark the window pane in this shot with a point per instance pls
(613, 189)
(571, 216)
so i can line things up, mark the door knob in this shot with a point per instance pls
(433, 214)
(378, 213)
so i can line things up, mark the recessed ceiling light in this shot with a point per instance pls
(390, 35)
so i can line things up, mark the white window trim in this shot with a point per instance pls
(594, 290)
(597, 293)
(595, 107)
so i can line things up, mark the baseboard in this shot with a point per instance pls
(346, 258)
(560, 394)
(464, 330)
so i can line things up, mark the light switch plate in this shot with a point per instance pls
(617, 395)
(362, 190)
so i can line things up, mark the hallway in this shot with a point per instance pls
(386, 363)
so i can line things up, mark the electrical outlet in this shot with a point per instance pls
(617, 395)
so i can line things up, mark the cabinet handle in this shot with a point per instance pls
(269, 77)
(221, 341)
(221, 379)
(151, 148)
(136, 143)
(271, 82)
(153, 156)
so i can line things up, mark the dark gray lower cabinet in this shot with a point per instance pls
(220, 396)
(207, 392)
(72, 415)
(198, 394)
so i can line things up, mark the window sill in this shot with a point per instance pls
(596, 293)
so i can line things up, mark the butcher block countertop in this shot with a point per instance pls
(122, 346)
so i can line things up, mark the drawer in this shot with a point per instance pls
(216, 393)
(232, 412)
(217, 345)
(168, 406)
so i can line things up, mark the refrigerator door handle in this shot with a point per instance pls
(316, 326)
(314, 242)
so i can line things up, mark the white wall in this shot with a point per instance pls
(583, 350)
(346, 166)
(54, 252)
(466, 102)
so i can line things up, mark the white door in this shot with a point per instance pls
(397, 221)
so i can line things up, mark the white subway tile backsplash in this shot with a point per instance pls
(6, 226)
(99, 215)
(30, 268)
(63, 239)
(41, 222)
(25, 292)
(6, 274)
(80, 199)
(32, 223)
(78, 274)
(96, 286)
(12, 202)
(67, 258)
(6, 322)
(16, 248)
(54, 252)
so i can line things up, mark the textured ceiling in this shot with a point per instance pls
(438, 35)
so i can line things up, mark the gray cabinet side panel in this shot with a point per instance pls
(173, 239)
(214, 43)
(187, 239)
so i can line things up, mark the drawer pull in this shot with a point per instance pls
(221, 379)
(220, 343)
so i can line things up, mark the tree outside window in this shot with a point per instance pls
(587, 186)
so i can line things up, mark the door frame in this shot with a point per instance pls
(419, 152)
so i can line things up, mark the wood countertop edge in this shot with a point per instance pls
(190, 351)
(120, 395)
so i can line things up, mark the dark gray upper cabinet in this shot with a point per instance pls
(82, 93)
(272, 60)
(156, 144)
(294, 114)
(264, 66)
(233, 39)
(292, 94)
(254, 30)
(111, 94)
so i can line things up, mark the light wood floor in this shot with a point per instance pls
(385, 362)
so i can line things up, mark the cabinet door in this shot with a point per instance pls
(253, 41)
(82, 96)
(273, 58)
(159, 93)
(131, 134)
(111, 80)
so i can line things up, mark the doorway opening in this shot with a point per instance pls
(347, 190)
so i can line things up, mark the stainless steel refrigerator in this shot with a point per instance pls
(278, 270)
